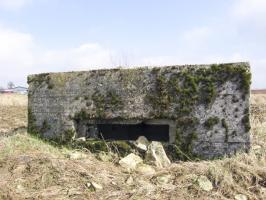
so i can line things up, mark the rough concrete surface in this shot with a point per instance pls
(205, 106)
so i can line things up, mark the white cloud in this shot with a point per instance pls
(86, 56)
(192, 59)
(20, 56)
(16, 54)
(250, 14)
(197, 35)
(258, 67)
(15, 44)
(13, 4)
(249, 8)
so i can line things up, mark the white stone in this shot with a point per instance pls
(164, 179)
(20, 188)
(142, 143)
(257, 149)
(77, 155)
(113, 183)
(88, 185)
(130, 161)
(129, 180)
(96, 186)
(241, 197)
(20, 169)
(145, 169)
(81, 139)
(141, 146)
(204, 183)
(156, 155)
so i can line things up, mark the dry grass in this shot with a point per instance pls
(13, 112)
(258, 99)
(33, 169)
(13, 100)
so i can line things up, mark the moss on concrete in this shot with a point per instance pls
(102, 102)
(189, 88)
(45, 126)
(211, 121)
(246, 123)
(183, 146)
(39, 79)
(122, 148)
(65, 138)
(225, 126)
(99, 102)
(51, 80)
(32, 128)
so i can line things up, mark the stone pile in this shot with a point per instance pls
(154, 155)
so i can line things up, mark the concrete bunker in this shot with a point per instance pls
(201, 110)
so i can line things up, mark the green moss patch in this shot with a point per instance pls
(122, 148)
(190, 87)
(32, 128)
(186, 135)
(225, 126)
(210, 122)
(110, 101)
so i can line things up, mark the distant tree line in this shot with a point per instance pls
(10, 85)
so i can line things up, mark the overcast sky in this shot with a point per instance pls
(67, 35)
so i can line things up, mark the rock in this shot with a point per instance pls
(130, 161)
(74, 191)
(81, 139)
(257, 149)
(263, 191)
(241, 197)
(77, 155)
(141, 147)
(204, 183)
(142, 140)
(113, 183)
(88, 185)
(129, 180)
(164, 179)
(105, 157)
(94, 186)
(145, 169)
(20, 169)
(20, 188)
(156, 155)
(141, 143)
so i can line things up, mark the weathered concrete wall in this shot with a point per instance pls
(209, 104)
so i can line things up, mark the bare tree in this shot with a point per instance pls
(121, 59)
(10, 85)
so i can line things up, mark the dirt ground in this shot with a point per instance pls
(33, 169)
